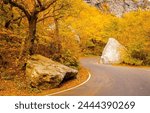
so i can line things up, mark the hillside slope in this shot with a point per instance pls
(119, 7)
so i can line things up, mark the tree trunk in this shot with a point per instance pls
(56, 28)
(56, 36)
(32, 35)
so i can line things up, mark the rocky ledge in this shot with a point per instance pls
(119, 7)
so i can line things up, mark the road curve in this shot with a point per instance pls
(110, 80)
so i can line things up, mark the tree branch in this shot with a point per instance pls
(19, 18)
(49, 16)
(39, 3)
(49, 4)
(22, 8)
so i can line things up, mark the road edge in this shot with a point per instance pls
(89, 77)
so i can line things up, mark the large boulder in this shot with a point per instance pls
(113, 52)
(42, 71)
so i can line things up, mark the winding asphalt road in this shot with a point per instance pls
(107, 80)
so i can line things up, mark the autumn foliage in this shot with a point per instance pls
(64, 30)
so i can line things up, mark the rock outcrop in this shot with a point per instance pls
(113, 52)
(42, 71)
(119, 7)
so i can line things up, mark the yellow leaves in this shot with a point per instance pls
(88, 22)
(29, 4)
(131, 30)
